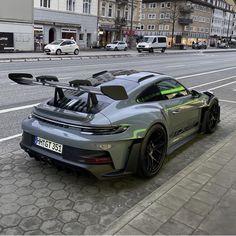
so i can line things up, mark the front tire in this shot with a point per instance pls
(58, 52)
(125, 49)
(151, 50)
(153, 151)
(76, 52)
(212, 117)
(139, 51)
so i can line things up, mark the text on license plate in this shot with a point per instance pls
(56, 147)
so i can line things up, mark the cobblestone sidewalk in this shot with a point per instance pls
(201, 199)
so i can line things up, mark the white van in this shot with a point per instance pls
(149, 43)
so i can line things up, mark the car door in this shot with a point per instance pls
(120, 46)
(180, 108)
(65, 47)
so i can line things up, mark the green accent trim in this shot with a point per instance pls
(174, 90)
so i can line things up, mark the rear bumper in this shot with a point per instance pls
(71, 157)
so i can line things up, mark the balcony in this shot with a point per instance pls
(120, 21)
(185, 21)
(186, 9)
(121, 2)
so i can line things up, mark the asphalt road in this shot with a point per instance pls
(200, 71)
(94, 203)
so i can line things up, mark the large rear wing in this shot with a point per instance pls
(115, 92)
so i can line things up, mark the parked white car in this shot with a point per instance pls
(62, 46)
(117, 45)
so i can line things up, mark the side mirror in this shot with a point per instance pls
(195, 94)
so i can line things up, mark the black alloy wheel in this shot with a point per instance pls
(151, 50)
(212, 118)
(153, 151)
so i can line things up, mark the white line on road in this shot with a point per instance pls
(10, 137)
(206, 73)
(213, 82)
(17, 108)
(222, 86)
(228, 101)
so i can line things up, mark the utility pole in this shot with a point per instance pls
(131, 24)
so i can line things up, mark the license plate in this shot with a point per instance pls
(44, 143)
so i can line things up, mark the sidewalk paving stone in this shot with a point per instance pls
(188, 218)
(206, 199)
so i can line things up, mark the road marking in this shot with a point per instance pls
(205, 73)
(213, 82)
(222, 86)
(229, 101)
(17, 108)
(10, 137)
(176, 66)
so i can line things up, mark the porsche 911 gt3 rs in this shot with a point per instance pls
(116, 122)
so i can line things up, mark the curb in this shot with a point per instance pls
(124, 219)
(56, 58)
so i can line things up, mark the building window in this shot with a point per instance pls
(152, 5)
(151, 27)
(81, 36)
(151, 16)
(87, 6)
(160, 27)
(167, 16)
(162, 16)
(45, 3)
(162, 4)
(126, 13)
(143, 16)
(168, 4)
(103, 9)
(110, 8)
(70, 5)
(118, 12)
(166, 27)
(142, 27)
(143, 5)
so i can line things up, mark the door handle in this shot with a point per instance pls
(175, 112)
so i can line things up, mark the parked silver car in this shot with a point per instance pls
(116, 122)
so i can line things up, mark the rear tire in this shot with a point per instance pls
(153, 151)
(76, 52)
(163, 50)
(139, 51)
(115, 49)
(212, 117)
(58, 52)
(125, 49)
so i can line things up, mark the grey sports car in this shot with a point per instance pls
(116, 122)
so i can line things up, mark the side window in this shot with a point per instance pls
(64, 43)
(154, 40)
(161, 40)
(171, 89)
(151, 94)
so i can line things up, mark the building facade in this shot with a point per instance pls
(16, 25)
(75, 19)
(186, 21)
(118, 20)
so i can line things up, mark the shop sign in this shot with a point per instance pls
(6, 41)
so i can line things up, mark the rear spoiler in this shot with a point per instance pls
(115, 92)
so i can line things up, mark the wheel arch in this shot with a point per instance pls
(133, 158)
(205, 110)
